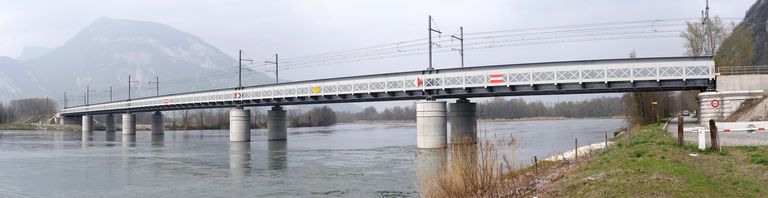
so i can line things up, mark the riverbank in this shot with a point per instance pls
(484, 120)
(58, 127)
(650, 166)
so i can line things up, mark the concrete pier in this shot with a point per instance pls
(110, 123)
(87, 124)
(463, 120)
(431, 124)
(239, 125)
(277, 124)
(129, 124)
(157, 123)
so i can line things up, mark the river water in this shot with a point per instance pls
(348, 160)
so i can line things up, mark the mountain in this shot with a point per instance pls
(15, 80)
(105, 52)
(33, 52)
(757, 17)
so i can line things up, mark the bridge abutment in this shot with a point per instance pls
(63, 120)
(87, 124)
(110, 123)
(727, 103)
(239, 125)
(277, 124)
(157, 123)
(463, 118)
(129, 124)
(431, 124)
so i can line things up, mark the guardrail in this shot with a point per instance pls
(651, 69)
(741, 70)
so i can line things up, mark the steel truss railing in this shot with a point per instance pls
(644, 69)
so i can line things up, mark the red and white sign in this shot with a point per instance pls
(418, 82)
(715, 103)
(166, 101)
(237, 95)
(496, 78)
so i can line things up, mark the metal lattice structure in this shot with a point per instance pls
(594, 76)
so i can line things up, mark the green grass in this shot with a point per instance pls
(653, 166)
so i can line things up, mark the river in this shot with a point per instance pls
(348, 160)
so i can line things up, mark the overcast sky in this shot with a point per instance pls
(299, 28)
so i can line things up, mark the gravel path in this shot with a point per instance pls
(726, 139)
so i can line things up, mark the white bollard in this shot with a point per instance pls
(702, 139)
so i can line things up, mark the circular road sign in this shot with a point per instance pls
(715, 103)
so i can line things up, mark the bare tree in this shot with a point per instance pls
(704, 38)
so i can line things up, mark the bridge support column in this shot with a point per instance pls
(463, 122)
(110, 123)
(129, 124)
(431, 124)
(277, 124)
(87, 124)
(157, 123)
(239, 125)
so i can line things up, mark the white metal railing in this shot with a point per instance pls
(741, 70)
(531, 74)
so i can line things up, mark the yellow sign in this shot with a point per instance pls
(316, 89)
(654, 103)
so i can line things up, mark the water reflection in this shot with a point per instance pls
(86, 137)
(58, 140)
(239, 161)
(111, 136)
(429, 163)
(129, 140)
(158, 140)
(277, 154)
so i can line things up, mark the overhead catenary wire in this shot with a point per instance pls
(642, 29)
(402, 48)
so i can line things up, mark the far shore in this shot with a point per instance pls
(484, 120)
(76, 128)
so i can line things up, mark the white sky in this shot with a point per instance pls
(298, 28)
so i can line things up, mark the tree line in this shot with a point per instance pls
(502, 108)
(219, 118)
(27, 110)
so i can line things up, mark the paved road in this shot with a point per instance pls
(726, 139)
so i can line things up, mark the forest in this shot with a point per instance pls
(505, 108)
(30, 109)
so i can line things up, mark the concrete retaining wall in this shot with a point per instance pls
(742, 82)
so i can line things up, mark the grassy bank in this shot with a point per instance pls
(653, 166)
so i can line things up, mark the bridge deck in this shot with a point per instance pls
(571, 77)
